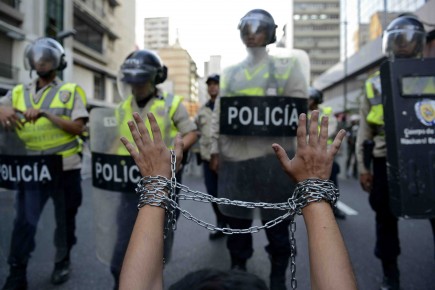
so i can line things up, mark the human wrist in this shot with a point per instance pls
(314, 190)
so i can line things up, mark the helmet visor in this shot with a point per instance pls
(41, 58)
(252, 26)
(403, 42)
(132, 80)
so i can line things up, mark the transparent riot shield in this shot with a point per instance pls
(250, 122)
(27, 181)
(114, 179)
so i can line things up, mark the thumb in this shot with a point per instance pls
(280, 154)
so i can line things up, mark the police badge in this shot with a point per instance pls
(64, 96)
(425, 111)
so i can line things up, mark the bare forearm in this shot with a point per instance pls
(330, 264)
(143, 263)
(189, 139)
(75, 127)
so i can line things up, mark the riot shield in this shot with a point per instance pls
(408, 91)
(248, 168)
(114, 179)
(249, 123)
(26, 183)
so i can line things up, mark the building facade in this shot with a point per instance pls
(156, 32)
(316, 29)
(93, 32)
(182, 75)
(343, 86)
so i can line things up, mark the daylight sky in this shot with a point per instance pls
(210, 27)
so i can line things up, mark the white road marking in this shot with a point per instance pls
(346, 209)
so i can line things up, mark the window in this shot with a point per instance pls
(99, 93)
(88, 35)
(54, 18)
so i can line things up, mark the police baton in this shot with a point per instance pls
(368, 146)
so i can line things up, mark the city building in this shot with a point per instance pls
(343, 84)
(156, 32)
(182, 75)
(182, 70)
(94, 34)
(316, 29)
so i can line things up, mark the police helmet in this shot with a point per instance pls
(44, 55)
(315, 95)
(141, 66)
(405, 37)
(258, 20)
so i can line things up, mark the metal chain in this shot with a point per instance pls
(153, 189)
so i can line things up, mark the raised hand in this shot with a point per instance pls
(313, 158)
(151, 154)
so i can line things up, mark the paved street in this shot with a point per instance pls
(193, 250)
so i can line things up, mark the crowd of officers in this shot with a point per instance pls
(49, 116)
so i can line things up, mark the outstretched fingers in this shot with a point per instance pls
(157, 135)
(323, 137)
(335, 146)
(301, 132)
(142, 137)
(130, 148)
(314, 133)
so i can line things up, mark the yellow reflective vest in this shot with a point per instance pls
(43, 135)
(374, 96)
(163, 109)
(271, 74)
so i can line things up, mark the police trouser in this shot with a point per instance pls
(387, 246)
(240, 245)
(211, 184)
(29, 206)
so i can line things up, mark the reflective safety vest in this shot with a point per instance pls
(43, 135)
(323, 111)
(163, 110)
(269, 78)
(374, 96)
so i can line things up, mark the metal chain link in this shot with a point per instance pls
(153, 190)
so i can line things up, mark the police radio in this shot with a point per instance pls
(408, 96)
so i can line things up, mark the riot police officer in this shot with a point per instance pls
(240, 159)
(315, 99)
(139, 75)
(403, 38)
(48, 115)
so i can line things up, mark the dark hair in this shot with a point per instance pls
(212, 279)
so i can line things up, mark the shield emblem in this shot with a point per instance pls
(64, 96)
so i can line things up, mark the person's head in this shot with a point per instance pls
(139, 74)
(211, 279)
(257, 28)
(45, 56)
(404, 37)
(213, 85)
(315, 97)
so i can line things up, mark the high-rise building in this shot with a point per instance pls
(156, 32)
(93, 33)
(316, 29)
(182, 75)
(372, 17)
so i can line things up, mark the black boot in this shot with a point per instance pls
(17, 278)
(238, 264)
(277, 273)
(391, 280)
(61, 272)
